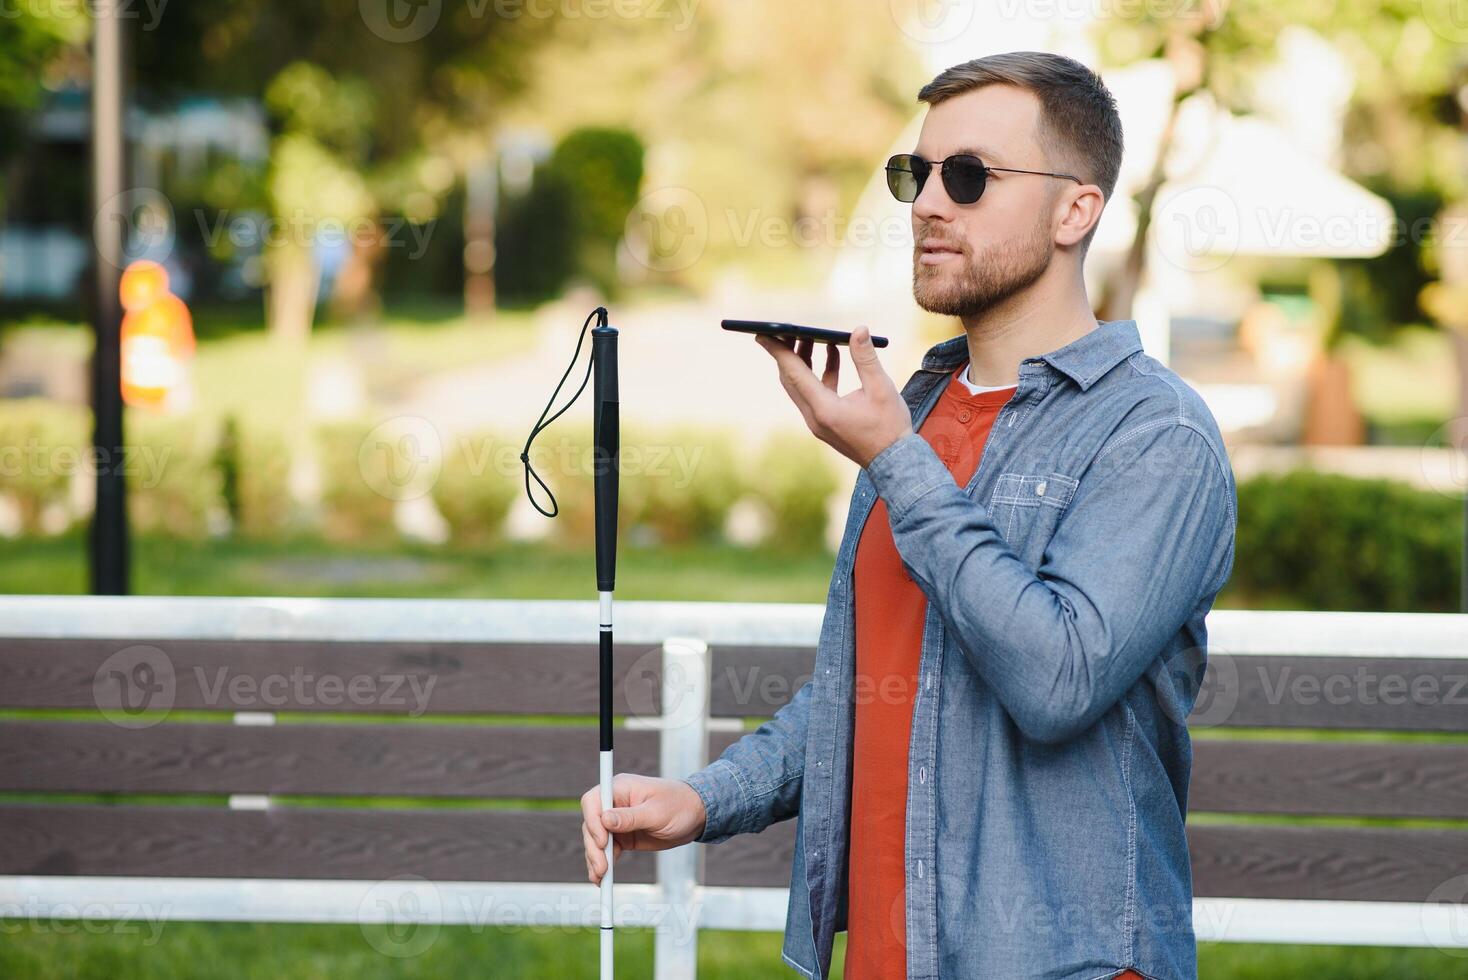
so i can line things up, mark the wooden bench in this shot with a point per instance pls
(276, 711)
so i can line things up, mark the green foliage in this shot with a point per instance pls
(794, 482)
(42, 446)
(361, 471)
(570, 220)
(1322, 541)
(535, 242)
(601, 168)
(227, 464)
(680, 482)
(265, 507)
(173, 485)
(479, 481)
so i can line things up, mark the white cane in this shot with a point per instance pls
(606, 439)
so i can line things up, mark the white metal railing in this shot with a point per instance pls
(676, 906)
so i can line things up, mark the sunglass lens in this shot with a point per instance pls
(964, 178)
(905, 177)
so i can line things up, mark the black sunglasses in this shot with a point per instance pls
(964, 176)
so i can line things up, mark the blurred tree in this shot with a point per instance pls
(1402, 136)
(40, 50)
(377, 110)
(601, 171)
(762, 119)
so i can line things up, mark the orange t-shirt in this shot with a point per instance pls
(890, 608)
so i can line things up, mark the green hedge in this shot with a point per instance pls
(1306, 539)
(1320, 541)
(42, 445)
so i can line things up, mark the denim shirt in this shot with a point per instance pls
(1062, 651)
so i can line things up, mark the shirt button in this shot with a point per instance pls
(965, 415)
(920, 868)
(1040, 489)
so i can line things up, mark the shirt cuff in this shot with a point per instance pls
(722, 790)
(905, 471)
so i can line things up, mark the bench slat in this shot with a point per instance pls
(299, 842)
(1363, 779)
(1273, 691)
(1348, 779)
(1318, 863)
(538, 762)
(319, 676)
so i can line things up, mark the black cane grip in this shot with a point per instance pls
(605, 435)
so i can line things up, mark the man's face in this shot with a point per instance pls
(967, 258)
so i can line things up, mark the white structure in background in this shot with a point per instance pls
(1263, 185)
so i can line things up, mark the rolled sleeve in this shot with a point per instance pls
(906, 471)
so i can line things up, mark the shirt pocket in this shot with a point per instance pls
(1026, 508)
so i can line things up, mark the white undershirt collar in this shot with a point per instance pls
(974, 389)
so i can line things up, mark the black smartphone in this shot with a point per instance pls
(789, 330)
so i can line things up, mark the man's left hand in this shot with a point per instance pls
(859, 424)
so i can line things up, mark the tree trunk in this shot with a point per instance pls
(295, 280)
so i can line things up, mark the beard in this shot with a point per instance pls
(981, 282)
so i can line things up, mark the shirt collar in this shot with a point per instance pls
(1083, 360)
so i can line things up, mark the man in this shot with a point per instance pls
(989, 767)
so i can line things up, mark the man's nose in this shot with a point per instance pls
(933, 202)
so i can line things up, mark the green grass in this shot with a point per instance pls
(255, 951)
(309, 567)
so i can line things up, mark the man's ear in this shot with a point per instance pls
(1082, 210)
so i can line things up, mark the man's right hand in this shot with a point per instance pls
(648, 814)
